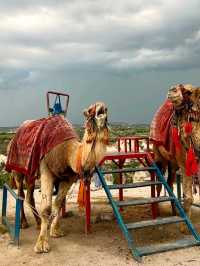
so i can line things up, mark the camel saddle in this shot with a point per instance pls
(35, 139)
(160, 128)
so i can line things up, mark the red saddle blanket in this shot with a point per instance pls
(160, 128)
(35, 139)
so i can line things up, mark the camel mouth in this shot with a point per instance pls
(96, 121)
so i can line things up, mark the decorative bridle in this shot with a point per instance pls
(186, 114)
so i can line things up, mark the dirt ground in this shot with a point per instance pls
(105, 245)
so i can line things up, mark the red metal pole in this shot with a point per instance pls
(121, 198)
(87, 209)
(136, 145)
(129, 145)
(119, 147)
(125, 145)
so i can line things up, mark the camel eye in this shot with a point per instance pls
(174, 89)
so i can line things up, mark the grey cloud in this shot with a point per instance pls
(102, 33)
(93, 48)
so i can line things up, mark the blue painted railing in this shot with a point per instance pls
(14, 229)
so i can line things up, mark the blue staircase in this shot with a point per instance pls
(127, 228)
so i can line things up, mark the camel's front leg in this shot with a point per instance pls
(55, 230)
(188, 198)
(42, 244)
(187, 193)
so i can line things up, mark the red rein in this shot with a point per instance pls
(176, 139)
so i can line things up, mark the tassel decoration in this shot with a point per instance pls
(82, 194)
(188, 128)
(191, 165)
(82, 191)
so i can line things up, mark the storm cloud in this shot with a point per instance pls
(126, 53)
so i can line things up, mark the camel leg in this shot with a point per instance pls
(31, 201)
(161, 168)
(171, 179)
(42, 244)
(20, 191)
(188, 198)
(55, 230)
(187, 191)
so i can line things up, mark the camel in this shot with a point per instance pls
(186, 103)
(67, 162)
(2, 161)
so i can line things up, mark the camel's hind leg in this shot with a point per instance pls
(31, 201)
(19, 178)
(55, 230)
(42, 244)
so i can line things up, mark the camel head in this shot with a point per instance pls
(180, 95)
(95, 137)
(175, 95)
(96, 122)
(186, 100)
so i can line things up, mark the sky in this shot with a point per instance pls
(125, 53)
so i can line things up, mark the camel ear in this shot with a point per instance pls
(197, 93)
(90, 112)
(85, 113)
(188, 88)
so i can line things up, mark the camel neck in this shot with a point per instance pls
(85, 155)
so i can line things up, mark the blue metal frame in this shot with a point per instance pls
(119, 218)
(138, 252)
(14, 230)
(177, 203)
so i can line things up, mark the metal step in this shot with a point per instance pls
(159, 221)
(157, 248)
(143, 201)
(134, 185)
(128, 170)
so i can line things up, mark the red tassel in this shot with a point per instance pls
(176, 139)
(188, 128)
(81, 195)
(191, 165)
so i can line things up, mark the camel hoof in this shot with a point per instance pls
(42, 246)
(68, 214)
(56, 232)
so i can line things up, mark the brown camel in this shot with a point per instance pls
(186, 102)
(66, 162)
